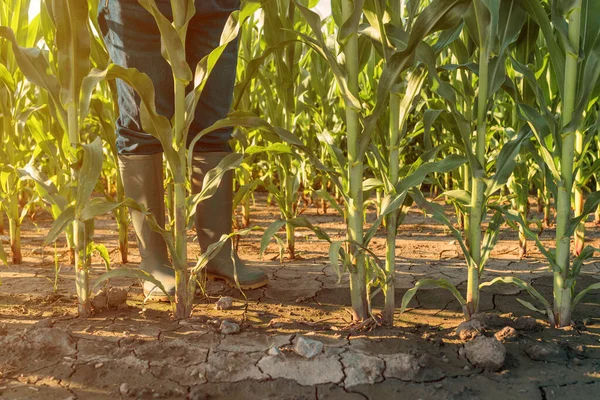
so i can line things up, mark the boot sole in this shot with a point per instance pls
(243, 286)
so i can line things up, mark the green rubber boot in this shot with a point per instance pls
(213, 218)
(143, 182)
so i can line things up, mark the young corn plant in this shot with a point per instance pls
(360, 127)
(578, 81)
(492, 27)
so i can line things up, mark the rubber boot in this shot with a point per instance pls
(143, 182)
(213, 219)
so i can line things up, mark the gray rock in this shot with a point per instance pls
(124, 389)
(224, 303)
(505, 334)
(228, 328)
(361, 369)
(274, 351)
(544, 352)
(469, 330)
(401, 366)
(308, 348)
(316, 371)
(487, 353)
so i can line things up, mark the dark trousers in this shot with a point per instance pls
(133, 41)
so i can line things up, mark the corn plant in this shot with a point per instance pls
(557, 135)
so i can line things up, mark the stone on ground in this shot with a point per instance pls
(227, 328)
(224, 303)
(487, 353)
(308, 348)
(543, 352)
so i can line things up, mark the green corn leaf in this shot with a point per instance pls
(557, 55)
(530, 306)
(211, 181)
(450, 163)
(103, 252)
(95, 207)
(73, 45)
(513, 217)
(586, 254)
(590, 205)
(129, 273)
(505, 163)
(213, 250)
(66, 217)
(89, 173)
(490, 238)
(526, 286)
(462, 196)
(335, 251)
(426, 283)
(580, 295)
(172, 48)
(437, 212)
(314, 21)
(324, 194)
(34, 66)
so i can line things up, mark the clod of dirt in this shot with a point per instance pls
(308, 348)
(507, 333)
(224, 303)
(487, 353)
(491, 320)
(401, 366)
(110, 297)
(469, 330)
(228, 328)
(544, 352)
(274, 351)
(525, 324)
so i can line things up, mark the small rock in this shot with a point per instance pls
(228, 328)
(99, 365)
(487, 353)
(110, 297)
(525, 324)
(469, 330)
(124, 389)
(543, 352)
(224, 303)
(506, 334)
(274, 351)
(308, 348)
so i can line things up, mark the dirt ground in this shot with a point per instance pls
(138, 351)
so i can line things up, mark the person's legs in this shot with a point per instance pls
(213, 216)
(133, 41)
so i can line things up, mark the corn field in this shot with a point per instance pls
(474, 111)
